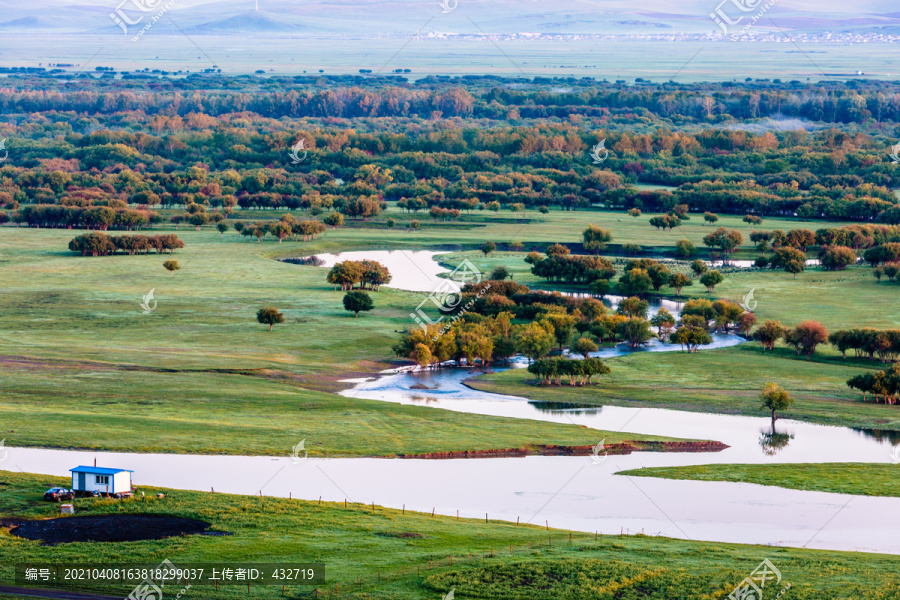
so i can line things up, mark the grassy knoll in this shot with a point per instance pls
(843, 478)
(725, 381)
(405, 556)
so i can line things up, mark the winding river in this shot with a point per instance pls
(579, 493)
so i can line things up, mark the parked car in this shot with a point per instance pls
(56, 494)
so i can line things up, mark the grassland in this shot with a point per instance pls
(726, 381)
(84, 367)
(101, 407)
(406, 556)
(842, 478)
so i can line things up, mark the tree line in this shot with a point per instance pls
(101, 244)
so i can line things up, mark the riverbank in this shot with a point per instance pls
(841, 478)
(377, 552)
(600, 450)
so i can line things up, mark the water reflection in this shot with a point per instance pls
(565, 407)
(773, 441)
(881, 435)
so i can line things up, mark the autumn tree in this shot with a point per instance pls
(806, 337)
(171, 266)
(768, 334)
(596, 238)
(679, 281)
(775, 398)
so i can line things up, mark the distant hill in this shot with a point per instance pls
(27, 23)
(289, 17)
(252, 22)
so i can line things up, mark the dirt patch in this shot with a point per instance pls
(106, 528)
(541, 450)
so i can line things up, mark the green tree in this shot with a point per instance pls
(685, 249)
(488, 247)
(633, 307)
(775, 398)
(357, 302)
(391, 223)
(269, 316)
(699, 267)
(711, 279)
(794, 267)
(222, 227)
(334, 220)
(679, 281)
(635, 331)
(584, 346)
(690, 337)
(532, 340)
(664, 321)
(499, 273)
(634, 282)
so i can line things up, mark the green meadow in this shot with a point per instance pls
(841, 478)
(379, 553)
(200, 360)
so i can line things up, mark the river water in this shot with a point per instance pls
(579, 493)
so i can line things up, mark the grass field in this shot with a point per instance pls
(841, 478)
(406, 556)
(725, 381)
(78, 350)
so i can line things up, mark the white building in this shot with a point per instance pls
(102, 480)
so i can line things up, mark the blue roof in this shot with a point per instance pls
(99, 470)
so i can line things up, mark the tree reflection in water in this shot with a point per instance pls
(772, 442)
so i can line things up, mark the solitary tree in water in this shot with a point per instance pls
(775, 398)
(269, 316)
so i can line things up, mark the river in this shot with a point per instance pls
(579, 493)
